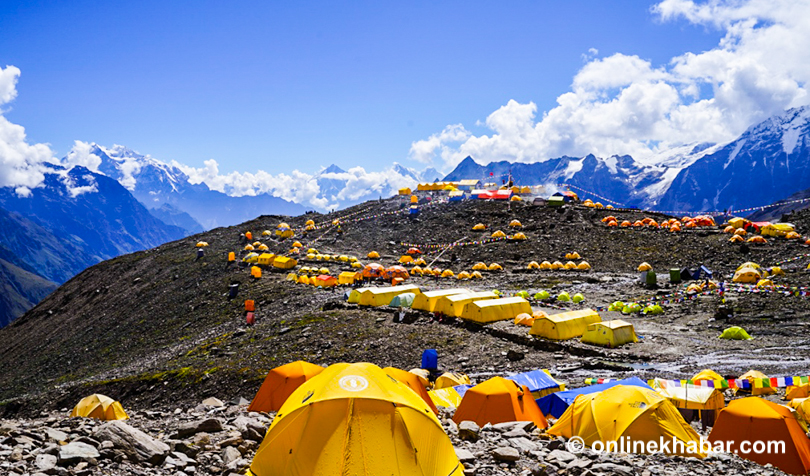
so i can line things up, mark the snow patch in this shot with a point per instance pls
(733, 154)
(611, 163)
(790, 138)
(573, 167)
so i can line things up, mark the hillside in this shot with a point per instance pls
(163, 316)
(20, 290)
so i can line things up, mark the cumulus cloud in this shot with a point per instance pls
(624, 104)
(20, 162)
(300, 187)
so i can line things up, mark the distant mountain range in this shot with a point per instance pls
(77, 218)
(768, 162)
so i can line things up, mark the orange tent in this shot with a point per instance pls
(414, 382)
(396, 271)
(757, 420)
(373, 270)
(280, 383)
(499, 400)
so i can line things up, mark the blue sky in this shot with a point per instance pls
(254, 97)
(287, 85)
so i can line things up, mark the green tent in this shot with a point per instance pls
(402, 300)
(653, 309)
(735, 333)
(523, 294)
(542, 295)
(578, 298)
(616, 306)
(631, 308)
(563, 297)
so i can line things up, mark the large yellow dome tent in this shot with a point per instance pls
(99, 406)
(626, 411)
(355, 419)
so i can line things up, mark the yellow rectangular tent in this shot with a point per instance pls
(347, 277)
(354, 296)
(492, 310)
(565, 325)
(427, 300)
(266, 259)
(383, 296)
(453, 305)
(405, 191)
(690, 397)
(777, 229)
(610, 334)
(284, 262)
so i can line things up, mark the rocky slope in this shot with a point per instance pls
(221, 439)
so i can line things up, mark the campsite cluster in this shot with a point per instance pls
(305, 295)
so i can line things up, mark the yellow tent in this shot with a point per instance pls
(492, 310)
(797, 391)
(627, 413)
(451, 379)
(99, 406)
(405, 191)
(533, 265)
(746, 275)
(690, 397)
(515, 224)
(644, 267)
(610, 334)
(427, 300)
(584, 266)
(738, 222)
(755, 377)
(479, 227)
(284, 262)
(354, 296)
(545, 265)
(355, 419)
(445, 397)
(256, 272)
(479, 266)
(777, 229)
(404, 259)
(266, 259)
(383, 296)
(573, 255)
(347, 277)
(373, 255)
(707, 374)
(499, 234)
(495, 267)
(453, 305)
(524, 320)
(565, 325)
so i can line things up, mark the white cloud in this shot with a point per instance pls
(81, 154)
(20, 162)
(300, 187)
(624, 104)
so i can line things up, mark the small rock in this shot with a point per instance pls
(213, 402)
(612, 468)
(524, 445)
(516, 433)
(230, 454)
(137, 445)
(210, 425)
(45, 462)
(468, 430)
(505, 453)
(56, 435)
(562, 456)
(464, 455)
(77, 451)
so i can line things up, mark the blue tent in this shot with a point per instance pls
(536, 380)
(556, 403)
(462, 389)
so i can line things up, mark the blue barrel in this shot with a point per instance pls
(430, 359)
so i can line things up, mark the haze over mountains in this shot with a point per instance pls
(106, 201)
